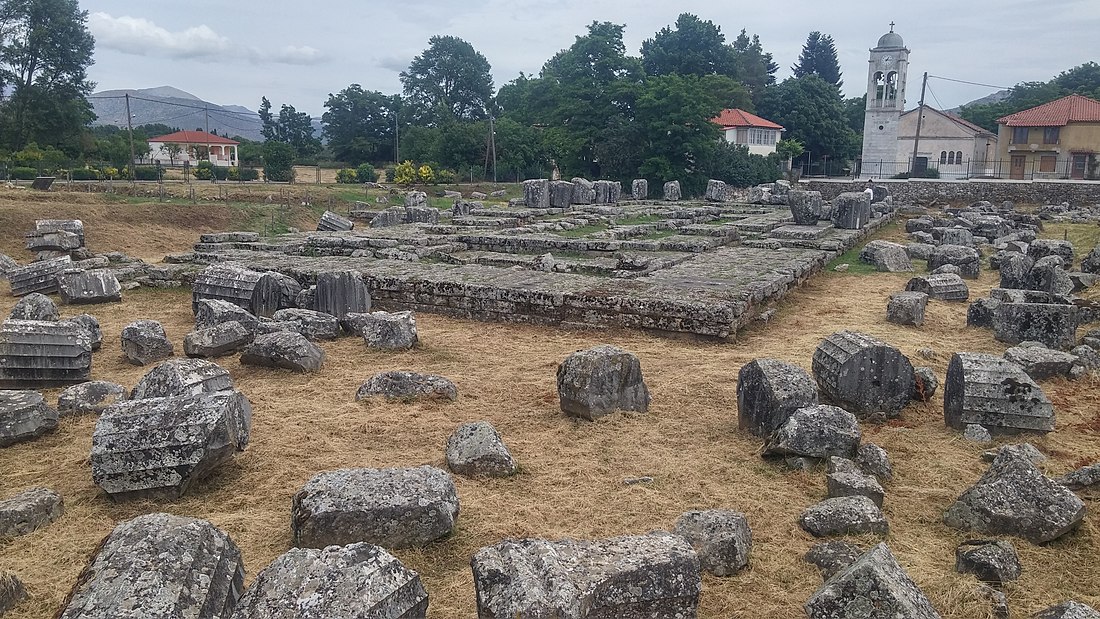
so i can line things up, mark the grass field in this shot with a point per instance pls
(571, 484)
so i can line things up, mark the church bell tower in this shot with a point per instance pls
(885, 103)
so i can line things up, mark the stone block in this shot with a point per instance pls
(91, 397)
(403, 386)
(816, 432)
(721, 537)
(862, 374)
(849, 515)
(874, 586)
(1054, 325)
(671, 191)
(286, 350)
(598, 381)
(339, 293)
(944, 287)
(333, 222)
(536, 193)
(994, 393)
(639, 189)
(86, 287)
(29, 511)
(145, 342)
(851, 210)
(906, 308)
(475, 448)
(42, 354)
(769, 391)
(35, 306)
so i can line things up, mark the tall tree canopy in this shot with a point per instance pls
(45, 51)
(289, 127)
(695, 47)
(1083, 79)
(755, 67)
(812, 112)
(449, 80)
(359, 125)
(819, 58)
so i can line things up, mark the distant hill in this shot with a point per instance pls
(176, 108)
(996, 97)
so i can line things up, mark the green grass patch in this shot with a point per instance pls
(851, 258)
(1083, 236)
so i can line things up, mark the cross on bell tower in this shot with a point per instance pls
(886, 71)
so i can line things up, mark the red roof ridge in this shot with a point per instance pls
(736, 117)
(1057, 113)
(192, 137)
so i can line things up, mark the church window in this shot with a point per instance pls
(959, 157)
(943, 157)
(892, 85)
(951, 158)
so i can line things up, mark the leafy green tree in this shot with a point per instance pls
(45, 50)
(1083, 79)
(289, 127)
(855, 110)
(278, 161)
(695, 47)
(173, 150)
(755, 67)
(359, 125)
(813, 113)
(449, 80)
(673, 115)
(734, 164)
(819, 58)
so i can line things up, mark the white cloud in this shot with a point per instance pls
(142, 37)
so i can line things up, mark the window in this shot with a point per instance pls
(1047, 163)
(943, 157)
(1050, 135)
(951, 158)
(765, 137)
(1019, 135)
(880, 88)
(959, 157)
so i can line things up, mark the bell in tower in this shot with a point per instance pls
(886, 70)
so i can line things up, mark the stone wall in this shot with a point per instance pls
(1020, 192)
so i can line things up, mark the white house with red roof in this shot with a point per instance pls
(740, 127)
(1059, 139)
(193, 145)
(955, 147)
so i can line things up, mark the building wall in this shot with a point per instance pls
(158, 153)
(740, 135)
(1072, 138)
(938, 135)
(1077, 193)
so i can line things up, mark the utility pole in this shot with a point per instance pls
(493, 144)
(396, 140)
(130, 128)
(920, 120)
(206, 109)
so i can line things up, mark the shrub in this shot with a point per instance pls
(366, 173)
(391, 173)
(404, 173)
(425, 174)
(23, 173)
(447, 177)
(146, 173)
(204, 171)
(278, 162)
(246, 174)
(84, 174)
(110, 172)
(346, 176)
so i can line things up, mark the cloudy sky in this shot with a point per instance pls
(236, 52)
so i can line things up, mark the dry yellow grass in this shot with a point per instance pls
(571, 484)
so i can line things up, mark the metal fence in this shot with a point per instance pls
(1018, 168)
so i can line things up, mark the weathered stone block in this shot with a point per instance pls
(598, 381)
(672, 191)
(222, 339)
(24, 415)
(332, 222)
(145, 342)
(340, 293)
(41, 354)
(475, 448)
(944, 287)
(721, 538)
(314, 325)
(561, 194)
(906, 308)
(1055, 325)
(385, 330)
(286, 350)
(583, 191)
(639, 189)
(182, 377)
(994, 393)
(863, 374)
(393, 508)
(849, 515)
(805, 206)
(851, 210)
(536, 193)
(874, 586)
(716, 191)
(90, 397)
(967, 259)
(816, 432)
(886, 256)
(607, 192)
(86, 287)
(769, 391)
(29, 511)
(213, 312)
(1040, 362)
(35, 306)
(398, 385)
(40, 276)
(992, 561)
(1041, 248)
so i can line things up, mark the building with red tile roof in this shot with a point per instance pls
(740, 127)
(1059, 139)
(193, 145)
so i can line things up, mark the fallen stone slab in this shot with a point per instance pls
(654, 575)
(1053, 324)
(842, 484)
(1014, 498)
(216, 341)
(1041, 248)
(160, 565)
(52, 240)
(29, 511)
(93, 397)
(875, 586)
(40, 276)
(769, 391)
(43, 354)
(35, 306)
(24, 415)
(213, 312)
(357, 580)
(721, 537)
(874, 460)
(261, 294)
(966, 258)
(863, 374)
(393, 508)
(1068, 610)
(333, 222)
(475, 448)
(944, 287)
(886, 257)
(1082, 478)
(816, 432)
(159, 447)
(312, 324)
(832, 556)
(182, 377)
(925, 385)
(11, 592)
(285, 350)
(851, 210)
(76, 287)
(994, 393)
(397, 385)
(906, 308)
(849, 515)
(339, 293)
(596, 382)
(992, 561)
(72, 226)
(385, 330)
(145, 342)
(1040, 362)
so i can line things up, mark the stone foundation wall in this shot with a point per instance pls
(1021, 192)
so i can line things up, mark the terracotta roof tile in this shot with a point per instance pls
(741, 118)
(1057, 113)
(192, 137)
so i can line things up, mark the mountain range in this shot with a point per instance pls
(177, 108)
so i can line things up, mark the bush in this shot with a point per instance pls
(346, 176)
(204, 171)
(366, 173)
(425, 174)
(146, 173)
(404, 173)
(391, 173)
(246, 174)
(447, 177)
(278, 162)
(84, 174)
(22, 173)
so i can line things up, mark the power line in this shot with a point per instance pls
(933, 93)
(949, 79)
